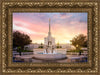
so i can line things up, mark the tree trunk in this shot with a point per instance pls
(20, 53)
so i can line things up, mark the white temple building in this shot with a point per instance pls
(49, 38)
(49, 42)
(49, 46)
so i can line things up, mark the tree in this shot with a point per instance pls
(58, 46)
(19, 50)
(79, 41)
(41, 46)
(20, 39)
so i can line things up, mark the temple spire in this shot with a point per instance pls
(49, 33)
(49, 26)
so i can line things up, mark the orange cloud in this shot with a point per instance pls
(37, 27)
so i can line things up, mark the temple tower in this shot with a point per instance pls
(49, 41)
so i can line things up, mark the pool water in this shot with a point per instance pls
(42, 53)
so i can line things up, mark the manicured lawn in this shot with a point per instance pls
(75, 51)
(25, 51)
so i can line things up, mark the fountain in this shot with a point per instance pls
(49, 49)
(49, 52)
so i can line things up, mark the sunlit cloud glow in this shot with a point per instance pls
(64, 26)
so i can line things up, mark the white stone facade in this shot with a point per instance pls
(46, 40)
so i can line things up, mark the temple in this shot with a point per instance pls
(49, 41)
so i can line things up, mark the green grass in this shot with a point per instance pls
(25, 51)
(75, 51)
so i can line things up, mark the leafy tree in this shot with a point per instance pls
(41, 46)
(20, 39)
(58, 46)
(19, 50)
(79, 41)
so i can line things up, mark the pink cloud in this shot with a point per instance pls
(65, 16)
(30, 26)
(38, 29)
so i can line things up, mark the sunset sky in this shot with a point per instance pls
(64, 26)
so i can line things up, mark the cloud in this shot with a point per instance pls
(65, 16)
(64, 26)
(23, 29)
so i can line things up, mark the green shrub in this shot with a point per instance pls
(75, 51)
(40, 47)
(25, 51)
